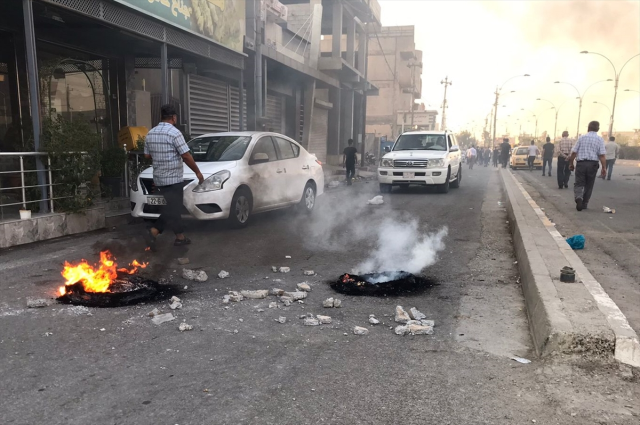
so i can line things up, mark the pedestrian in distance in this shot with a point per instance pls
(472, 154)
(479, 155)
(590, 153)
(534, 152)
(612, 154)
(495, 155)
(349, 159)
(505, 151)
(487, 156)
(564, 151)
(167, 149)
(547, 155)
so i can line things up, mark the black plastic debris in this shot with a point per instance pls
(386, 283)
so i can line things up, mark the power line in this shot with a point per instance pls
(383, 55)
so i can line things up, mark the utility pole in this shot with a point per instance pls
(446, 83)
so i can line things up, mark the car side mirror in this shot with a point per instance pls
(259, 158)
(454, 149)
(387, 149)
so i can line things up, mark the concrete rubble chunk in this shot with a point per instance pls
(255, 295)
(276, 291)
(273, 305)
(235, 297)
(428, 323)
(153, 312)
(415, 314)
(325, 320)
(195, 275)
(401, 315)
(288, 257)
(337, 303)
(36, 302)
(184, 327)
(309, 273)
(162, 318)
(223, 274)
(420, 330)
(287, 301)
(311, 321)
(328, 303)
(373, 320)
(296, 295)
(401, 330)
(304, 286)
(176, 305)
(358, 330)
(284, 269)
(226, 299)
(175, 299)
(274, 269)
(183, 261)
(281, 319)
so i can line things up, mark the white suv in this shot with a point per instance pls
(423, 158)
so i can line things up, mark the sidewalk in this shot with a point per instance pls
(337, 173)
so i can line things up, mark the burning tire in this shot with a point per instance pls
(387, 283)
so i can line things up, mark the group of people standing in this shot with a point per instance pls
(500, 155)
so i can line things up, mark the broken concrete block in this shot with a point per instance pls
(153, 312)
(420, 330)
(401, 330)
(255, 295)
(162, 318)
(325, 320)
(274, 269)
(235, 297)
(36, 302)
(309, 273)
(196, 275)
(276, 291)
(328, 303)
(174, 299)
(304, 286)
(284, 269)
(358, 330)
(273, 305)
(428, 323)
(288, 257)
(401, 315)
(296, 295)
(226, 299)
(287, 301)
(415, 314)
(184, 327)
(337, 303)
(311, 321)
(373, 320)
(223, 275)
(281, 319)
(176, 305)
(183, 261)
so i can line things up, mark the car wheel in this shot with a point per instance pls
(241, 208)
(456, 184)
(385, 188)
(308, 201)
(444, 188)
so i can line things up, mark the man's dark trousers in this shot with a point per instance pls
(546, 161)
(504, 159)
(351, 171)
(171, 215)
(586, 173)
(563, 172)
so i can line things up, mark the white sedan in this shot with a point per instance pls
(245, 173)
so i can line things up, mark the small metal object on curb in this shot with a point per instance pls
(567, 274)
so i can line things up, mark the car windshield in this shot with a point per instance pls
(218, 148)
(421, 142)
(522, 151)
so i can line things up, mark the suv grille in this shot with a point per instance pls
(410, 163)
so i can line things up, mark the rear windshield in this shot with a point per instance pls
(218, 148)
(522, 151)
(421, 142)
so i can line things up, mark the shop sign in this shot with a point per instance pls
(222, 21)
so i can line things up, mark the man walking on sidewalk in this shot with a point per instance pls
(547, 155)
(167, 149)
(611, 156)
(505, 151)
(472, 154)
(533, 153)
(495, 155)
(349, 159)
(588, 150)
(564, 151)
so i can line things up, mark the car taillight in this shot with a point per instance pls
(319, 162)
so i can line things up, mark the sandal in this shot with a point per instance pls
(181, 242)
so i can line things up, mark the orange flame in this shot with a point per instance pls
(96, 278)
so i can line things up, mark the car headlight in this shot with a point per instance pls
(435, 163)
(386, 162)
(214, 182)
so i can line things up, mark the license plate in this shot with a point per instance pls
(156, 200)
(409, 175)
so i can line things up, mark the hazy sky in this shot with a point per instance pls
(481, 44)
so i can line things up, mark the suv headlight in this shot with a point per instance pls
(213, 182)
(435, 163)
(386, 162)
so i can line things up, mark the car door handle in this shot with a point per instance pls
(305, 167)
(279, 170)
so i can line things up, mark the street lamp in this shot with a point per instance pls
(495, 106)
(581, 97)
(632, 90)
(615, 90)
(535, 134)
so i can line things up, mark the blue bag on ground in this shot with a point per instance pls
(576, 242)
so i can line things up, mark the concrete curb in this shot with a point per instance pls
(549, 321)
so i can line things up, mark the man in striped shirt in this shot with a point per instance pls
(564, 151)
(590, 152)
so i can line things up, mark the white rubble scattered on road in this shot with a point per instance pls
(78, 310)
(415, 314)
(325, 320)
(226, 299)
(420, 330)
(428, 323)
(328, 303)
(401, 315)
(196, 275)
(153, 312)
(377, 200)
(223, 274)
(183, 261)
(520, 360)
(311, 321)
(235, 297)
(358, 330)
(255, 295)
(186, 287)
(304, 286)
(284, 269)
(273, 305)
(337, 303)
(287, 301)
(401, 330)
(184, 327)
(162, 318)
(373, 320)
(176, 305)
(309, 273)
(36, 302)
(288, 257)
(276, 291)
(281, 319)
(175, 299)
(274, 269)
(48, 334)
(296, 295)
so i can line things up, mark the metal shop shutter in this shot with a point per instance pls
(208, 106)
(273, 113)
(234, 96)
(318, 133)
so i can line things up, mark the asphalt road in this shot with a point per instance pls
(116, 367)
(612, 240)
